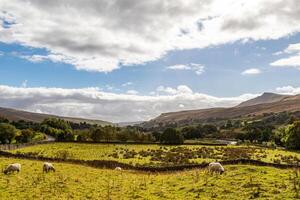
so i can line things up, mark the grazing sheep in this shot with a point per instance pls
(16, 167)
(48, 167)
(215, 167)
(118, 168)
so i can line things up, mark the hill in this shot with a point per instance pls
(16, 115)
(124, 124)
(275, 104)
(266, 97)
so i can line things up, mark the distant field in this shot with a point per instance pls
(79, 182)
(159, 155)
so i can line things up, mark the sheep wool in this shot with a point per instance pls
(216, 167)
(16, 167)
(48, 167)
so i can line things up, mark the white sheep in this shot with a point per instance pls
(16, 167)
(118, 168)
(215, 167)
(48, 167)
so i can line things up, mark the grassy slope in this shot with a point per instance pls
(79, 182)
(288, 104)
(16, 115)
(101, 152)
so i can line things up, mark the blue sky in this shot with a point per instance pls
(221, 77)
(131, 60)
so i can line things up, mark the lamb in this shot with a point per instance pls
(16, 167)
(215, 167)
(118, 168)
(48, 167)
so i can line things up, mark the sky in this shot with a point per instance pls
(131, 60)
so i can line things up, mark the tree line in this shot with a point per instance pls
(19, 132)
(287, 135)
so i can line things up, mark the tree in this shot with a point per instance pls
(25, 136)
(65, 136)
(292, 136)
(58, 128)
(7, 133)
(228, 124)
(209, 129)
(122, 135)
(57, 123)
(83, 135)
(21, 124)
(3, 120)
(258, 132)
(156, 135)
(97, 134)
(171, 136)
(278, 136)
(109, 133)
(192, 132)
(292, 119)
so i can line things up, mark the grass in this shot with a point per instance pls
(80, 182)
(157, 155)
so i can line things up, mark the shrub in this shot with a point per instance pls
(171, 136)
(7, 133)
(25, 136)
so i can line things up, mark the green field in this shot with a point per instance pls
(158, 155)
(79, 182)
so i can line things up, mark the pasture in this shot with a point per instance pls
(159, 155)
(80, 182)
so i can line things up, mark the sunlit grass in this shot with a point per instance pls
(106, 151)
(79, 182)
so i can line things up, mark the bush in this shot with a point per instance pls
(83, 135)
(192, 132)
(7, 133)
(171, 136)
(292, 136)
(58, 128)
(25, 136)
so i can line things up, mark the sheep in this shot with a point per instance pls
(48, 167)
(16, 167)
(118, 168)
(216, 167)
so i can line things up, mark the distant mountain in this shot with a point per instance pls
(266, 97)
(267, 103)
(124, 124)
(15, 115)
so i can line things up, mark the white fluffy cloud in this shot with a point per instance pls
(96, 104)
(197, 68)
(290, 90)
(132, 92)
(181, 89)
(100, 35)
(251, 71)
(127, 84)
(293, 59)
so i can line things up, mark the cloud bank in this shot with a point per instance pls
(96, 104)
(289, 90)
(100, 35)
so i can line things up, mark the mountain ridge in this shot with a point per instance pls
(16, 115)
(266, 97)
(279, 103)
